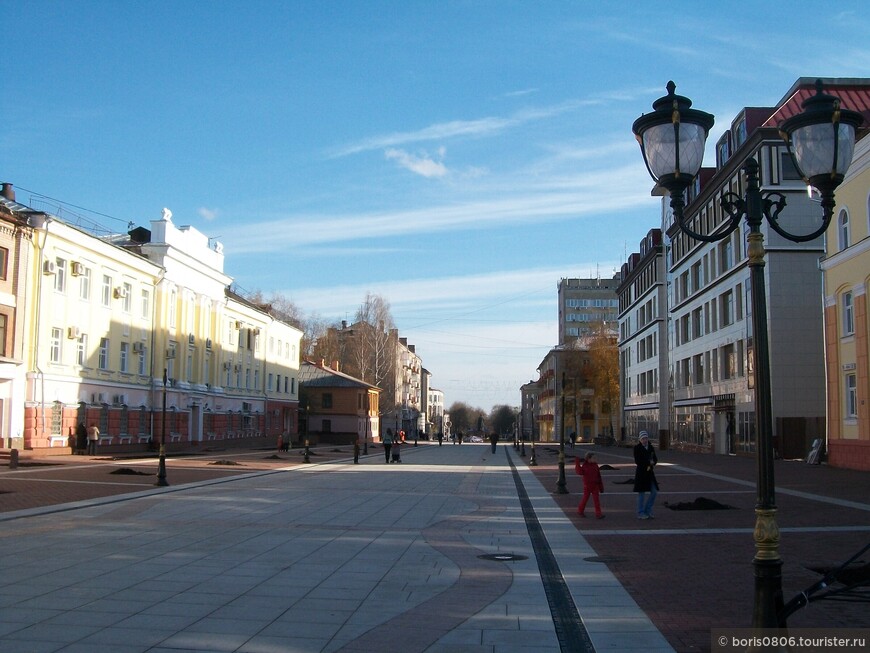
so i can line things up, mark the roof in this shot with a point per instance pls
(312, 375)
(854, 94)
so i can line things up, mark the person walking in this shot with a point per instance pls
(93, 438)
(645, 482)
(592, 484)
(388, 444)
(81, 439)
(493, 440)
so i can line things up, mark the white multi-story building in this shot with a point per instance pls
(643, 341)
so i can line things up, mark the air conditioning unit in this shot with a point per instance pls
(170, 353)
(138, 347)
(191, 339)
(208, 343)
(73, 332)
(77, 269)
(120, 292)
(49, 267)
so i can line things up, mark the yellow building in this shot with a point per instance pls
(140, 335)
(846, 269)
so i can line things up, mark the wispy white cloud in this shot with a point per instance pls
(207, 214)
(456, 128)
(423, 165)
(436, 299)
(545, 199)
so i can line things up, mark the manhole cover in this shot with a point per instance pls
(604, 559)
(503, 557)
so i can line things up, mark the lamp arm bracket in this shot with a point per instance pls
(772, 205)
(733, 206)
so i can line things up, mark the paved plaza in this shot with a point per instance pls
(455, 549)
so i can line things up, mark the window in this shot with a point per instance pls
(104, 354)
(82, 350)
(4, 262)
(726, 312)
(54, 345)
(788, 171)
(106, 291)
(141, 364)
(698, 369)
(740, 133)
(843, 229)
(60, 276)
(3, 330)
(729, 362)
(326, 400)
(125, 356)
(145, 304)
(851, 396)
(848, 314)
(127, 303)
(726, 255)
(85, 284)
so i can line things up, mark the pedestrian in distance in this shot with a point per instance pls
(440, 438)
(81, 439)
(388, 444)
(396, 454)
(356, 452)
(645, 483)
(493, 441)
(93, 439)
(593, 486)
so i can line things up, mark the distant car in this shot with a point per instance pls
(474, 438)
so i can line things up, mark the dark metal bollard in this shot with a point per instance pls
(532, 461)
(13, 459)
(356, 453)
(307, 458)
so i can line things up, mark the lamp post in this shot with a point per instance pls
(562, 484)
(161, 464)
(821, 141)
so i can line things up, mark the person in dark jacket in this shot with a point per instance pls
(644, 476)
(388, 444)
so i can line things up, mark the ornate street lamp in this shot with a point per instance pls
(161, 464)
(562, 484)
(821, 141)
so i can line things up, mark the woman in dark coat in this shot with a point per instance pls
(644, 476)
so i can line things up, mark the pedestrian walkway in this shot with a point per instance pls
(437, 554)
(453, 550)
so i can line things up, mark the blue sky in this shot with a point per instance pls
(457, 158)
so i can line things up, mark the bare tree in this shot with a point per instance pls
(604, 371)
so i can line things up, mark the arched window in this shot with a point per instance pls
(843, 229)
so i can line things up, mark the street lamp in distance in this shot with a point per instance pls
(161, 464)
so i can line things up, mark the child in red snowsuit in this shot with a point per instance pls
(592, 484)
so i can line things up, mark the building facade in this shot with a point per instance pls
(643, 341)
(709, 389)
(584, 304)
(846, 269)
(140, 335)
(337, 408)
